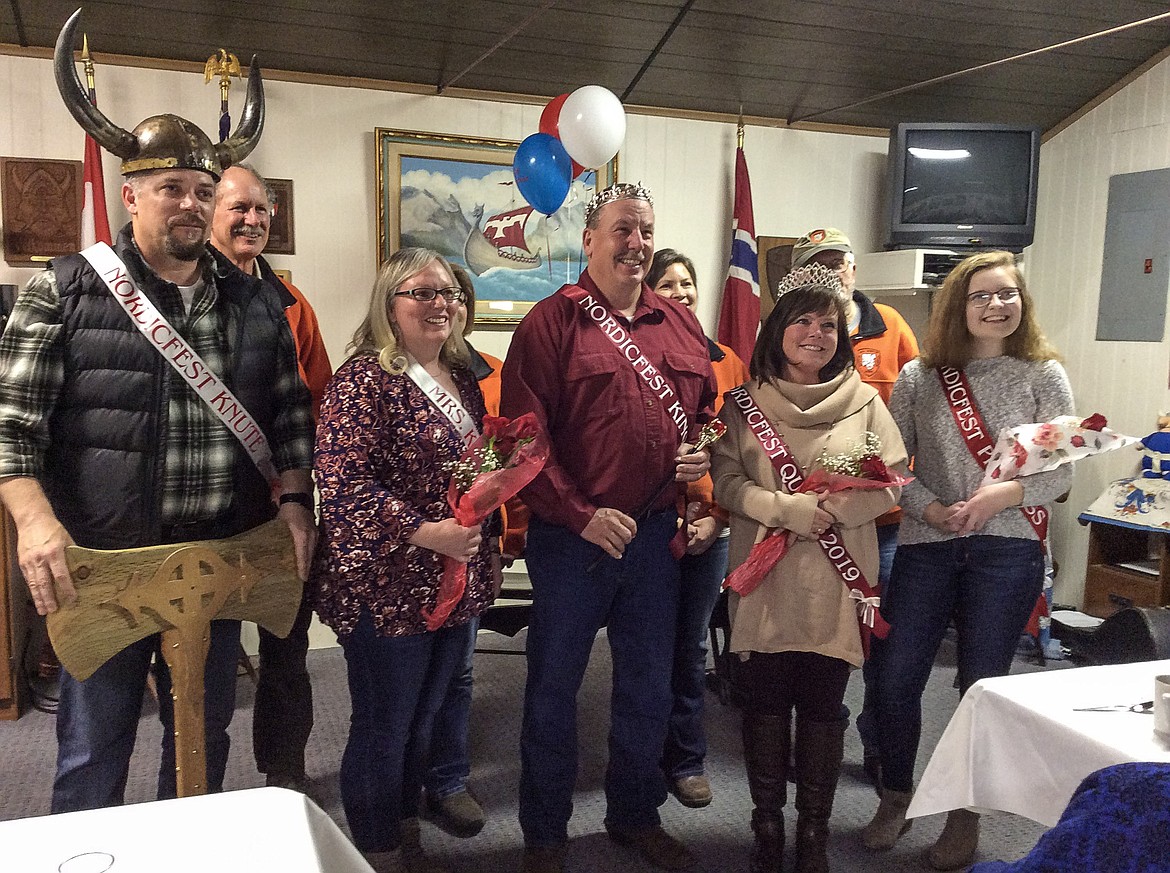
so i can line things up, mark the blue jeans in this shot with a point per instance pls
(989, 586)
(450, 758)
(396, 685)
(97, 721)
(637, 597)
(887, 537)
(701, 576)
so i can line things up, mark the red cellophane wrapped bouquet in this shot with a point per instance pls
(861, 468)
(491, 471)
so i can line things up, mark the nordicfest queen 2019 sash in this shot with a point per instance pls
(957, 391)
(869, 618)
(178, 353)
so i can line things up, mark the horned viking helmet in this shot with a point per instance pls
(161, 141)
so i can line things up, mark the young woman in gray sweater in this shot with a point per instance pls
(966, 551)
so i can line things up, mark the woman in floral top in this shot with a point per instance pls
(384, 449)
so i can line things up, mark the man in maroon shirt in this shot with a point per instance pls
(621, 379)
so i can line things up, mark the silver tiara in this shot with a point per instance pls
(807, 276)
(619, 191)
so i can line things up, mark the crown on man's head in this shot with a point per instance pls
(618, 191)
(810, 275)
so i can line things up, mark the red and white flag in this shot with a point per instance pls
(95, 223)
(739, 316)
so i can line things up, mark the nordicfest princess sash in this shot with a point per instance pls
(177, 352)
(655, 380)
(867, 598)
(443, 400)
(957, 391)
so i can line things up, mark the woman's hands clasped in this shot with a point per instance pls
(969, 516)
(448, 537)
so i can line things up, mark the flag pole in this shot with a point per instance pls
(739, 129)
(224, 65)
(95, 220)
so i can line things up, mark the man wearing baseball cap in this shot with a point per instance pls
(882, 344)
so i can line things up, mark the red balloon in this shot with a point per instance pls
(550, 120)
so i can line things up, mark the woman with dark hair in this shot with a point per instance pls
(798, 630)
(703, 567)
(394, 419)
(966, 551)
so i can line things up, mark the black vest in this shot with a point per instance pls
(103, 471)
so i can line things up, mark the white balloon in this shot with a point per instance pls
(592, 125)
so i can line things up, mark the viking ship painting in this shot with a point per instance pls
(501, 242)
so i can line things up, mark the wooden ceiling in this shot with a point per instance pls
(781, 60)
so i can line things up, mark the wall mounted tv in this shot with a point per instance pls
(963, 186)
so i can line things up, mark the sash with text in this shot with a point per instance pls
(957, 391)
(866, 596)
(443, 400)
(600, 316)
(185, 360)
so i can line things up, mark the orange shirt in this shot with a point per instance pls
(730, 372)
(312, 359)
(515, 513)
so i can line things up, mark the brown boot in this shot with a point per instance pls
(766, 740)
(414, 859)
(889, 822)
(956, 845)
(820, 748)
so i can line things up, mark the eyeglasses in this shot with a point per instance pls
(426, 295)
(982, 299)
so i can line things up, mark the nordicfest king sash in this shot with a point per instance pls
(177, 352)
(443, 400)
(867, 598)
(628, 350)
(961, 401)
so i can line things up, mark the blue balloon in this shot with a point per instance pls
(543, 171)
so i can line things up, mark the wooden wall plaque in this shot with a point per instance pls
(41, 209)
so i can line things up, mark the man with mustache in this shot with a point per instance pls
(282, 716)
(621, 379)
(103, 442)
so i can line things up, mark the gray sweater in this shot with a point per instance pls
(1008, 392)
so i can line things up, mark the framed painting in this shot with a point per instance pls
(41, 209)
(457, 195)
(281, 231)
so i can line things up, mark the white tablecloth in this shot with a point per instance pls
(1015, 743)
(259, 830)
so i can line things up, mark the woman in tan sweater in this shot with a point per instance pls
(798, 630)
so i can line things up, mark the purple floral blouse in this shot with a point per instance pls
(380, 465)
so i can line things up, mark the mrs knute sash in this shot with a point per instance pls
(178, 353)
(443, 400)
(961, 401)
(869, 618)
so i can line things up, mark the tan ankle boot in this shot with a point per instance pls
(889, 822)
(414, 859)
(956, 845)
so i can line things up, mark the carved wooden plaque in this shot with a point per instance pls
(41, 209)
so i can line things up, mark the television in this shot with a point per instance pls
(963, 186)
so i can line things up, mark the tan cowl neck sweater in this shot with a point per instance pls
(803, 605)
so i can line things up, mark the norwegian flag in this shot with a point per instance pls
(95, 223)
(739, 315)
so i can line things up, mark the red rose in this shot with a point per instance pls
(1096, 421)
(873, 467)
(1077, 440)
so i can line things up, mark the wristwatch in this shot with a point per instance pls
(304, 498)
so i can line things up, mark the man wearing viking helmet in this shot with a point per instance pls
(105, 442)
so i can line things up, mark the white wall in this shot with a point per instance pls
(322, 138)
(1127, 382)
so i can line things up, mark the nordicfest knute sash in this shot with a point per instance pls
(867, 597)
(443, 400)
(177, 352)
(961, 401)
(628, 350)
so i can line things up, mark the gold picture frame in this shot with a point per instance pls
(448, 193)
(282, 228)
